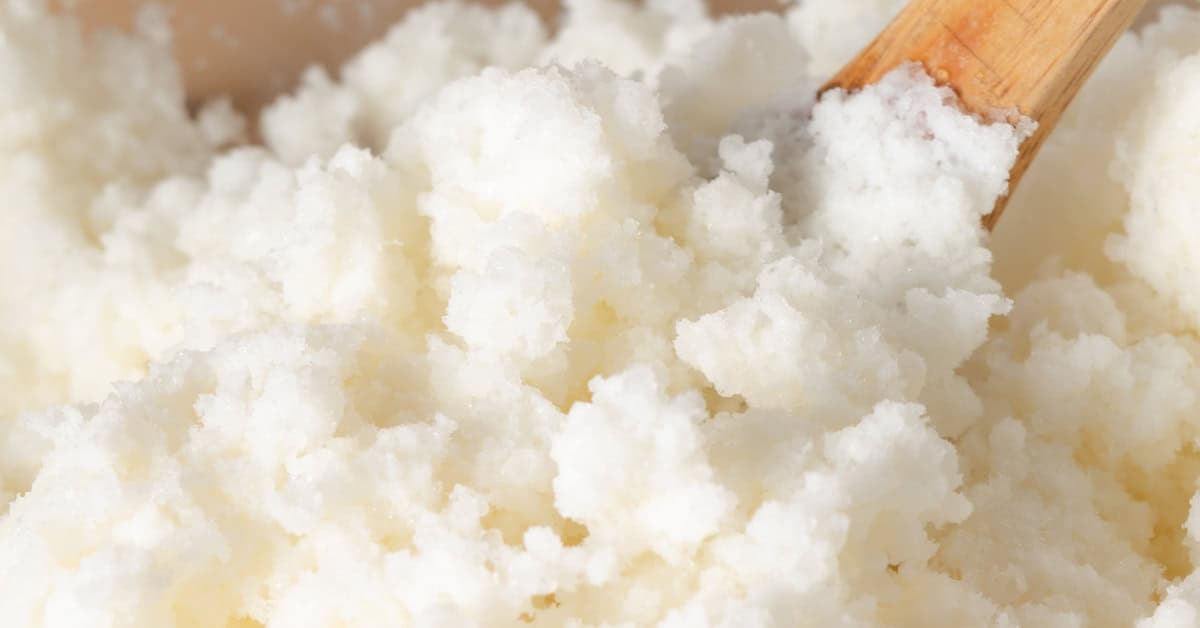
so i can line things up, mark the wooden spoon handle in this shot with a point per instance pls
(999, 55)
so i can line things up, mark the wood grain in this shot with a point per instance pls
(1031, 56)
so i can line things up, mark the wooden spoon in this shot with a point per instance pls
(1030, 56)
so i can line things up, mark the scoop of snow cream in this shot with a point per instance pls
(614, 325)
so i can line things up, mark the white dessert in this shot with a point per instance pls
(613, 327)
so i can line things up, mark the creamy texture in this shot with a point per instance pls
(614, 326)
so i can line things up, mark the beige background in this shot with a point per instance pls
(255, 49)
